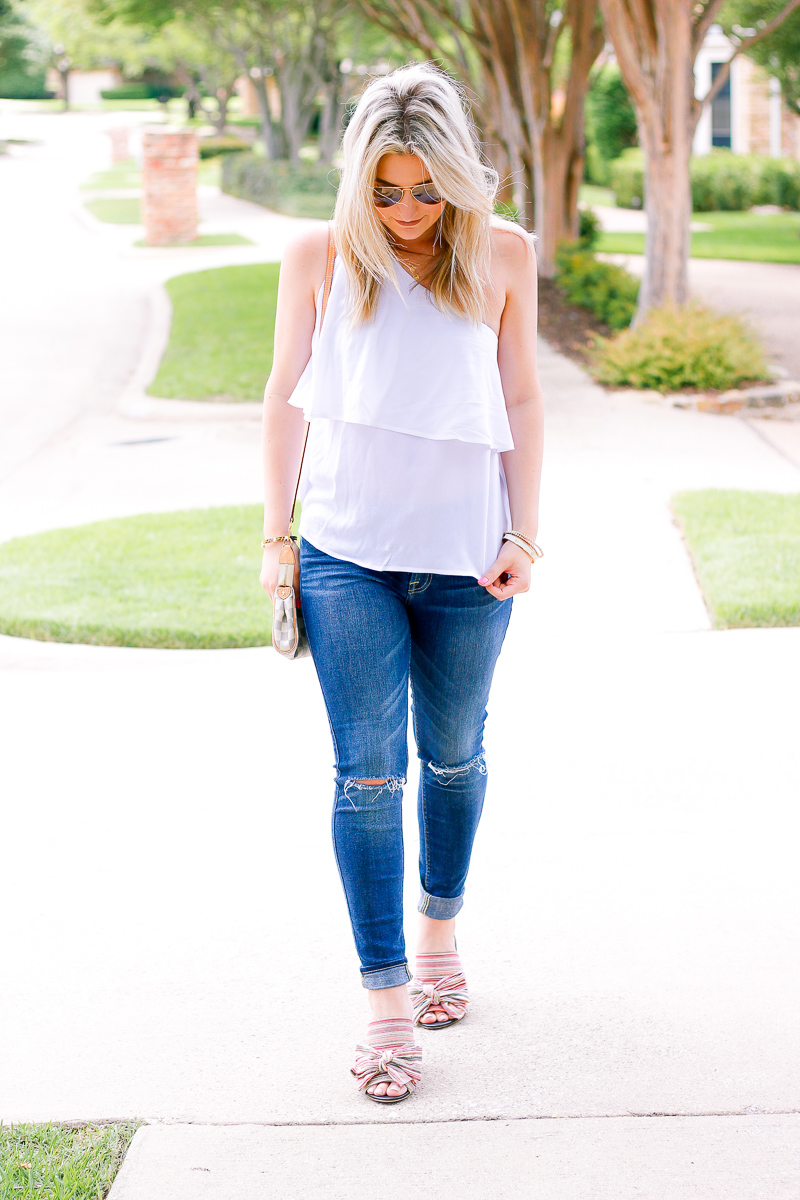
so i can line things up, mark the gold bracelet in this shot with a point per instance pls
(281, 538)
(519, 539)
(527, 540)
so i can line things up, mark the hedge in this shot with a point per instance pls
(139, 91)
(720, 181)
(215, 144)
(297, 189)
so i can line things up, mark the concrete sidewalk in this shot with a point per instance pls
(631, 927)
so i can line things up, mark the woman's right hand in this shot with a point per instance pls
(269, 568)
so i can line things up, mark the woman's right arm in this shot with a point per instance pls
(301, 276)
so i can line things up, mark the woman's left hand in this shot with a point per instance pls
(509, 574)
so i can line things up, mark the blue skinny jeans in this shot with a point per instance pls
(371, 634)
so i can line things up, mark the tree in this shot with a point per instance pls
(656, 43)
(292, 42)
(78, 40)
(611, 116)
(23, 55)
(779, 52)
(528, 61)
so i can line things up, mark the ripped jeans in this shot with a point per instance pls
(371, 633)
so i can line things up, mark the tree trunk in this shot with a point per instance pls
(267, 130)
(223, 100)
(668, 202)
(330, 127)
(64, 73)
(294, 121)
(562, 174)
(656, 45)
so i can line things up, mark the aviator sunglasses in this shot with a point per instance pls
(386, 197)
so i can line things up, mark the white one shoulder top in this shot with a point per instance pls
(407, 424)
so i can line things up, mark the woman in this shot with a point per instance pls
(420, 494)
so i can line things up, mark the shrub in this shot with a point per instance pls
(780, 183)
(720, 181)
(627, 179)
(606, 290)
(675, 348)
(211, 146)
(297, 189)
(724, 182)
(588, 227)
(139, 91)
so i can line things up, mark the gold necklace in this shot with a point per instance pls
(410, 266)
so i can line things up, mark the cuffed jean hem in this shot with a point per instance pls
(439, 908)
(386, 977)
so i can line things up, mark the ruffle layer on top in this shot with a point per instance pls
(412, 369)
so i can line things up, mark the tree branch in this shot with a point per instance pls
(704, 23)
(742, 48)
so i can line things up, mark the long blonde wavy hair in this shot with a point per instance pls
(418, 109)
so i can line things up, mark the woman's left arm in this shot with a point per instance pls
(516, 355)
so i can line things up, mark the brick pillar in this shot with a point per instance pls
(119, 145)
(169, 186)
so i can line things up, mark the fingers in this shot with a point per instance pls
(509, 574)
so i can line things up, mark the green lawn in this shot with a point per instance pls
(116, 210)
(55, 1163)
(745, 547)
(206, 239)
(220, 345)
(185, 580)
(590, 193)
(739, 235)
(122, 175)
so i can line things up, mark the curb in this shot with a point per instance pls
(134, 401)
(766, 399)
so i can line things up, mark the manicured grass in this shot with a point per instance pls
(590, 193)
(220, 345)
(117, 210)
(123, 175)
(185, 580)
(56, 1163)
(744, 236)
(207, 239)
(745, 547)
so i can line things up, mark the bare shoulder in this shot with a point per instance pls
(305, 256)
(512, 246)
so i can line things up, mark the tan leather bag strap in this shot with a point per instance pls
(326, 291)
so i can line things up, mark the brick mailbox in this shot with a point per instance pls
(169, 186)
(120, 151)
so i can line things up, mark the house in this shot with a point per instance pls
(84, 86)
(748, 116)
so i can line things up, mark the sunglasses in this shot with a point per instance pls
(424, 193)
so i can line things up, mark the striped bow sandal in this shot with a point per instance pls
(389, 1056)
(438, 991)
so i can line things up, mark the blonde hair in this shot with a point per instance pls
(420, 110)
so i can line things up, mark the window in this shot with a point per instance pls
(721, 111)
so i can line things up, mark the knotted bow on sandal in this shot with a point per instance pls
(400, 1063)
(431, 989)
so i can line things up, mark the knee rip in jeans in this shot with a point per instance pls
(445, 775)
(392, 784)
